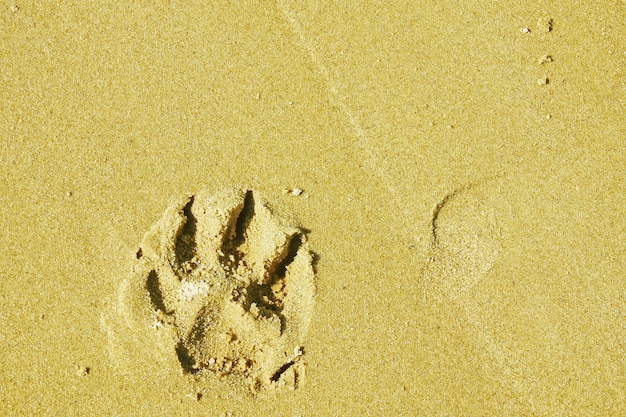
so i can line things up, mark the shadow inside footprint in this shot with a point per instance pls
(186, 239)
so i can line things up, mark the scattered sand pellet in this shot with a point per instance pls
(525, 30)
(228, 365)
(545, 59)
(230, 337)
(293, 191)
(241, 366)
(543, 80)
(545, 24)
(83, 370)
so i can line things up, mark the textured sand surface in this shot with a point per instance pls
(457, 169)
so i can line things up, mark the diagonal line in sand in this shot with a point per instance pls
(364, 142)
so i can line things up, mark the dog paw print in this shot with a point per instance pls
(231, 287)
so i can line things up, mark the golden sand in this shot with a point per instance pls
(452, 175)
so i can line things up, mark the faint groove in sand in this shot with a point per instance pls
(364, 142)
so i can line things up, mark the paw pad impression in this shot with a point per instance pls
(230, 287)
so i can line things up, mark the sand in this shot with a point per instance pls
(430, 200)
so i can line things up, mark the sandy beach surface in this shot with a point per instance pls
(292, 208)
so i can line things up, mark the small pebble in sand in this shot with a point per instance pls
(545, 24)
(525, 30)
(293, 191)
(545, 59)
(543, 80)
(83, 370)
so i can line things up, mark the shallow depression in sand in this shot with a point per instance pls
(222, 287)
